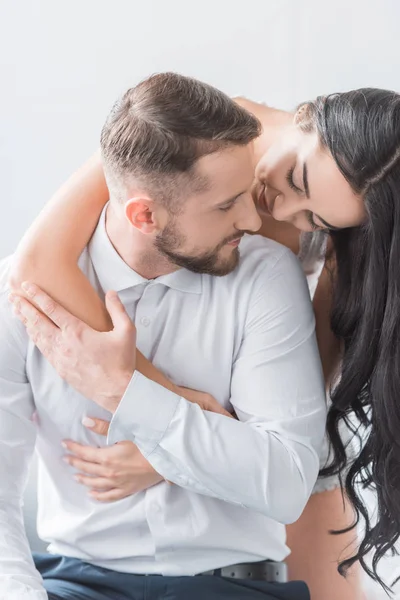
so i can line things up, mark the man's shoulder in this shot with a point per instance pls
(253, 246)
(266, 265)
(262, 257)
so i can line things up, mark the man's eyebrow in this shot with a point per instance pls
(229, 200)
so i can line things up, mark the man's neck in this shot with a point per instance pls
(135, 249)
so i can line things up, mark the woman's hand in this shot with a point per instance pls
(118, 471)
(204, 400)
(113, 472)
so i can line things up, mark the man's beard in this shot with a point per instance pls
(170, 239)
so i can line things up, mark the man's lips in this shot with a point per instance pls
(236, 241)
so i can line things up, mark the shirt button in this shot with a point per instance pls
(145, 321)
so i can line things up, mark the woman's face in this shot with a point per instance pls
(299, 182)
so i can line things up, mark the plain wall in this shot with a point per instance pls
(62, 65)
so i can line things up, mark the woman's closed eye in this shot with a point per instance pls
(309, 215)
(291, 183)
(310, 219)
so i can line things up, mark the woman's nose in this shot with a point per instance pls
(285, 208)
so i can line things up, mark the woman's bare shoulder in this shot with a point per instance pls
(266, 114)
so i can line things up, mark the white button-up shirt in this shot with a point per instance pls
(246, 338)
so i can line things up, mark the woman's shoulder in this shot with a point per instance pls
(268, 115)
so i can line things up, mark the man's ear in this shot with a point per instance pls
(143, 213)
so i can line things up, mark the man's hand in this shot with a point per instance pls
(98, 365)
(113, 472)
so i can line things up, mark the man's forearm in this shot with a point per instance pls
(257, 466)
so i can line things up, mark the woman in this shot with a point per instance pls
(333, 167)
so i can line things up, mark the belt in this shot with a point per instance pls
(266, 570)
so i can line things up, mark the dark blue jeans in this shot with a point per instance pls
(72, 579)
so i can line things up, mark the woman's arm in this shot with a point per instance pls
(49, 251)
(328, 343)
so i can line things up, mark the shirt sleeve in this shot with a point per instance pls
(267, 460)
(19, 579)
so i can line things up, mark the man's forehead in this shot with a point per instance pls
(227, 170)
(226, 159)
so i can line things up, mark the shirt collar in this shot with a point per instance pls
(114, 274)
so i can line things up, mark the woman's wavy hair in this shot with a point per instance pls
(361, 130)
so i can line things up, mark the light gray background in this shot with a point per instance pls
(62, 64)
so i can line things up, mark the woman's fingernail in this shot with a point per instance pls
(65, 459)
(77, 478)
(88, 422)
(64, 445)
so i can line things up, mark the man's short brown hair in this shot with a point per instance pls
(158, 130)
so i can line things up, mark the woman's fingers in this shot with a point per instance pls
(97, 425)
(84, 466)
(95, 483)
(110, 496)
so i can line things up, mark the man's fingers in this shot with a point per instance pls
(25, 311)
(97, 425)
(40, 329)
(118, 314)
(61, 317)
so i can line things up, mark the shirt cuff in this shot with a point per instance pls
(144, 414)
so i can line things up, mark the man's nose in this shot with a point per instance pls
(249, 219)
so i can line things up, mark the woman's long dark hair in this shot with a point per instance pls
(361, 129)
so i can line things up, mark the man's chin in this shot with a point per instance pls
(228, 265)
(206, 265)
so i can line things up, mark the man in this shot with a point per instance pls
(178, 162)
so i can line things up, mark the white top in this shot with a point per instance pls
(312, 256)
(247, 338)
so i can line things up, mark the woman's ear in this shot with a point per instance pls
(300, 114)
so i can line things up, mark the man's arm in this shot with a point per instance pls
(19, 580)
(268, 460)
